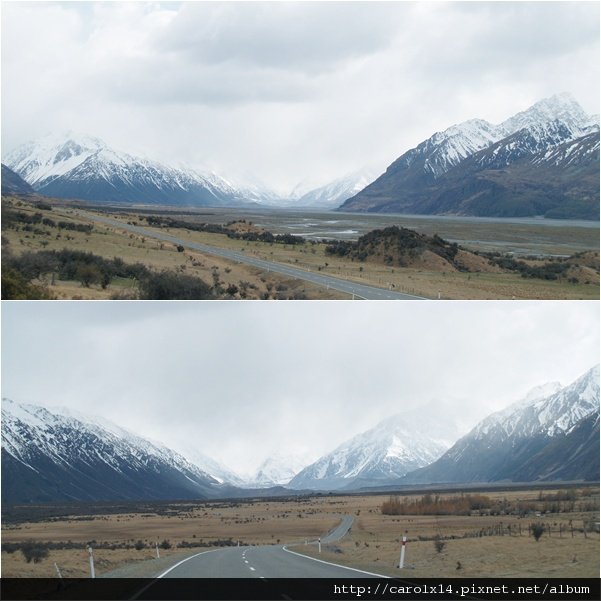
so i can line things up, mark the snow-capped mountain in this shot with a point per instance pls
(333, 194)
(58, 455)
(84, 167)
(392, 448)
(501, 445)
(479, 168)
(277, 470)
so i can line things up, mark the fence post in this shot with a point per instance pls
(91, 552)
(402, 559)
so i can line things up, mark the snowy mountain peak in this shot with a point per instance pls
(560, 109)
(387, 451)
(549, 122)
(448, 148)
(334, 193)
(52, 156)
(546, 409)
(74, 165)
(278, 469)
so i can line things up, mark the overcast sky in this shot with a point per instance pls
(243, 380)
(281, 92)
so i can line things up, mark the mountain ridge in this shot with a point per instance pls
(54, 456)
(500, 445)
(478, 168)
(75, 165)
(393, 447)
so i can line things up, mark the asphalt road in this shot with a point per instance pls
(267, 562)
(351, 288)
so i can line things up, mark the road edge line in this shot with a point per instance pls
(285, 548)
(169, 570)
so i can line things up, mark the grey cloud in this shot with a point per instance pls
(310, 37)
(245, 378)
(162, 80)
(286, 91)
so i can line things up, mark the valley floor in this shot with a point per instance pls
(426, 277)
(473, 546)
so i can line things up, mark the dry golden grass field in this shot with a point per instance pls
(474, 545)
(426, 277)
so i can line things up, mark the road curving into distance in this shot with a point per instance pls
(264, 562)
(352, 288)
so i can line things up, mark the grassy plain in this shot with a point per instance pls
(110, 242)
(474, 545)
(426, 278)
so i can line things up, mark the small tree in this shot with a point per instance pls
(139, 545)
(537, 530)
(34, 552)
(439, 544)
(165, 544)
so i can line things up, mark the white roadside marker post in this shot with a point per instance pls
(91, 552)
(402, 560)
(157, 549)
(58, 571)
(319, 543)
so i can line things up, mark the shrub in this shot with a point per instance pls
(537, 530)
(168, 285)
(34, 552)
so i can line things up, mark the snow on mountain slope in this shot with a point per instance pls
(550, 409)
(58, 454)
(446, 149)
(80, 166)
(479, 168)
(504, 442)
(220, 472)
(336, 192)
(547, 123)
(560, 108)
(392, 448)
(52, 156)
(278, 469)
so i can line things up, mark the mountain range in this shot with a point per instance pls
(543, 161)
(84, 167)
(51, 455)
(551, 434)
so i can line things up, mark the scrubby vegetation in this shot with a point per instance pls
(435, 505)
(550, 270)
(398, 246)
(395, 245)
(19, 272)
(563, 501)
(227, 230)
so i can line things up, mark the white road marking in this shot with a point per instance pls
(179, 563)
(334, 564)
(253, 569)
